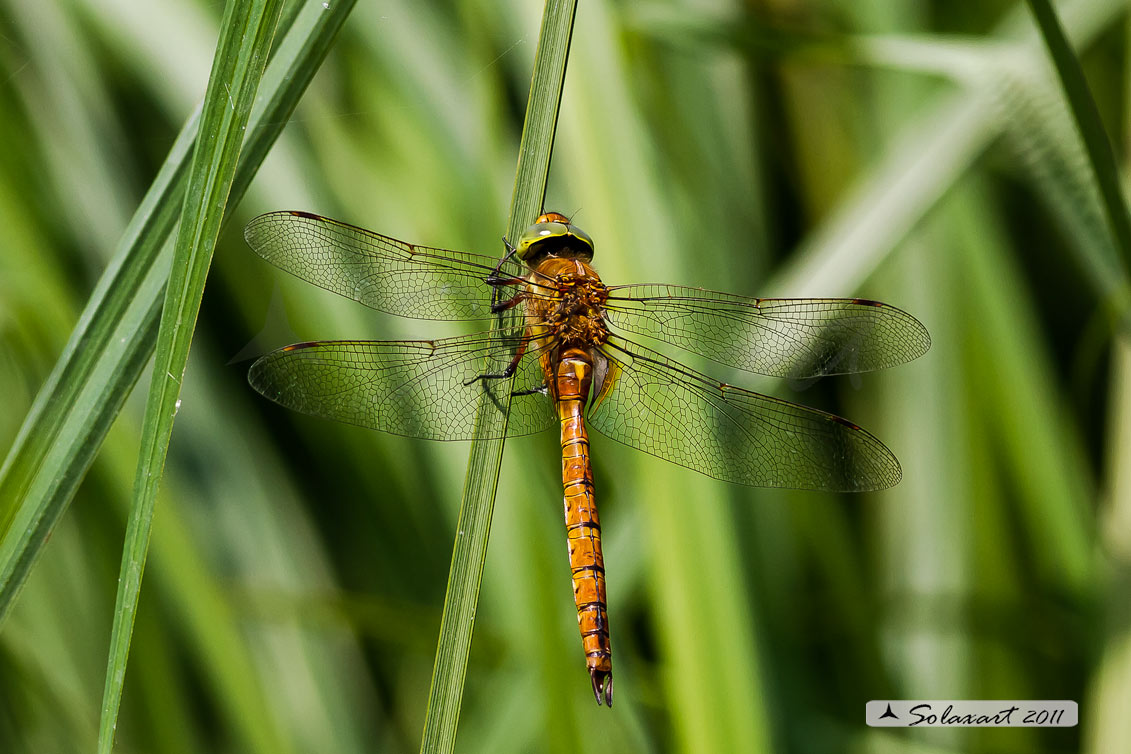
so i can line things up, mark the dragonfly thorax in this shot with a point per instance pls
(553, 236)
(571, 303)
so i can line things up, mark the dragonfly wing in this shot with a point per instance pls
(380, 272)
(658, 406)
(416, 388)
(796, 338)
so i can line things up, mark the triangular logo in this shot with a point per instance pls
(889, 713)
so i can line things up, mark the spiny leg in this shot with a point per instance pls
(496, 280)
(511, 367)
(498, 307)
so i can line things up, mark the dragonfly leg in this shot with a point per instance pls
(496, 279)
(510, 303)
(544, 389)
(506, 373)
(511, 250)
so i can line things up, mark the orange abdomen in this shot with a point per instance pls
(583, 528)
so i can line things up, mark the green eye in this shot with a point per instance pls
(552, 236)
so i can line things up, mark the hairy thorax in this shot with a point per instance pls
(566, 303)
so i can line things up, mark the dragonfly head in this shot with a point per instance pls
(552, 235)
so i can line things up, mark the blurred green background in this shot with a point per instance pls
(916, 153)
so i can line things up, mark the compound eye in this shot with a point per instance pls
(537, 235)
(585, 241)
(554, 235)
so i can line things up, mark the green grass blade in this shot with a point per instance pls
(1110, 687)
(1087, 117)
(446, 694)
(115, 335)
(247, 31)
(75, 407)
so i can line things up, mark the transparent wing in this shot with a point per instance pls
(658, 406)
(417, 388)
(380, 272)
(795, 338)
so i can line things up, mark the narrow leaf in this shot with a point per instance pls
(247, 31)
(1087, 117)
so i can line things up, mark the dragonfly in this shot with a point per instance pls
(579, 357)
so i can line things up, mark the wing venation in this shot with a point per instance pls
(416, 388)
(663, 408)
(793, 338)
(381, 272)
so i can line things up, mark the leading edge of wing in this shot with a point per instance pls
(378, 271)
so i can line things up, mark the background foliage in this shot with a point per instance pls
(918, 153)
